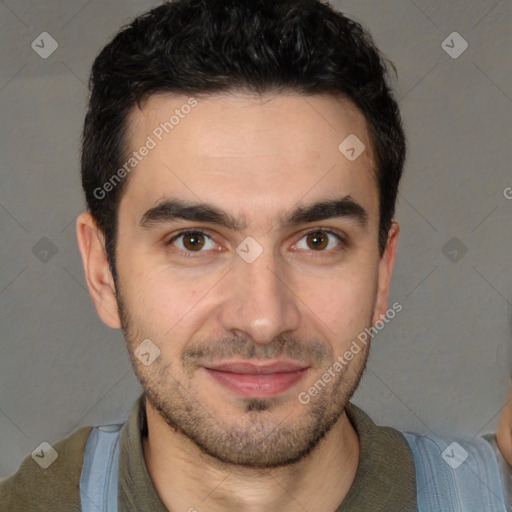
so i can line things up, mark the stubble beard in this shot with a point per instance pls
(255, 439)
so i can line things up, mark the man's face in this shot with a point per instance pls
(209, 300)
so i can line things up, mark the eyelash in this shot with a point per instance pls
(192, 254)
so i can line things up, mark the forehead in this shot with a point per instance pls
(247, 151)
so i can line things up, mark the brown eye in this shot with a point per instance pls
(321, 243)
(317, 240)
(193, 241)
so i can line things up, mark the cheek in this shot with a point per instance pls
(343, 304)
(163, 304)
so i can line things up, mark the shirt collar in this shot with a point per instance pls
(385, 477)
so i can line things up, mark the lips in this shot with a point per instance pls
(257, 380)
(255, 369)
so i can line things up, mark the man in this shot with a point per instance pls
(240, 162)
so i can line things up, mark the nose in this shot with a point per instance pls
(260, 302)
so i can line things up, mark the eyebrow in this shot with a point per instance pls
(171, 210)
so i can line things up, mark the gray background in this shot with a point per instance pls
(441, 365)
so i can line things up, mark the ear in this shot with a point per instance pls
(385, 269)
(97, 272)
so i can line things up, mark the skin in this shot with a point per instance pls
(256, 158)
(504, 427)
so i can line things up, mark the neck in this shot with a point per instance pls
(187, 479)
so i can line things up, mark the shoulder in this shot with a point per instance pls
(451, 470)
(56, 487)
